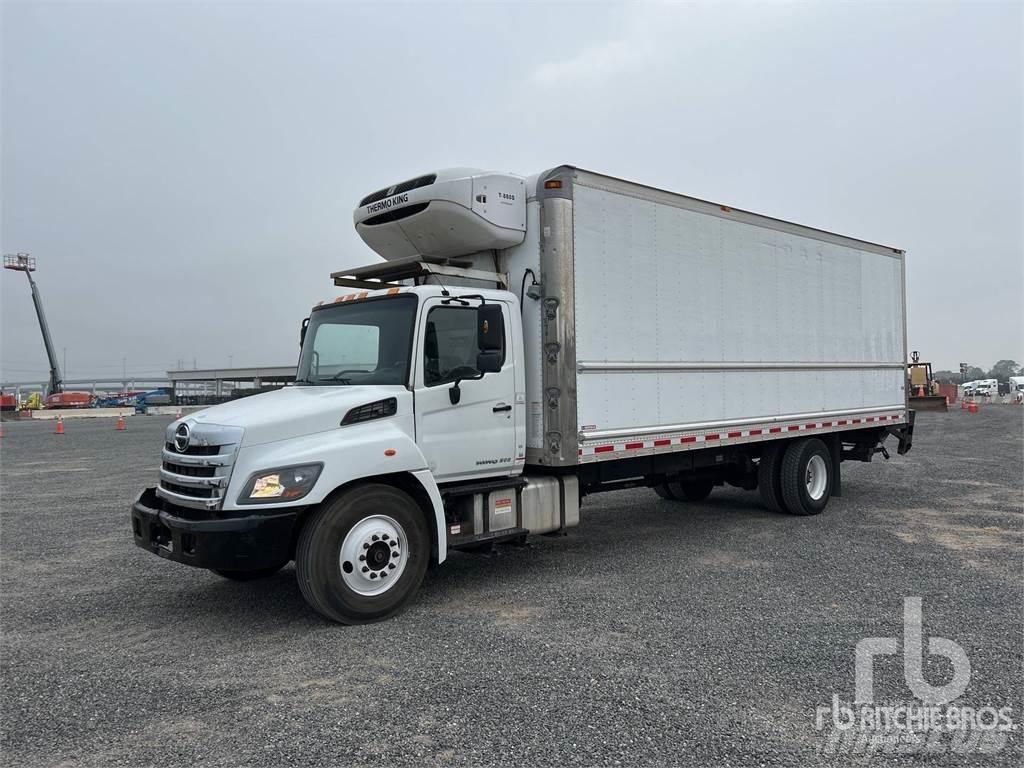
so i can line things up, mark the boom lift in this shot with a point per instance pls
(22, 262)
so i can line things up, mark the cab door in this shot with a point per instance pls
(465, 419)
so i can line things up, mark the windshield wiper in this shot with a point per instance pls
(340, 375)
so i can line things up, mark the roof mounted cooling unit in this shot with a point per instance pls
(453, 212)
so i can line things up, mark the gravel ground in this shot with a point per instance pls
(656, 633)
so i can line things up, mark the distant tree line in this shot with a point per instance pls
(1002, 371)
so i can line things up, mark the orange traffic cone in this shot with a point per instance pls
(973, 407)
(59, 429)
(120, 424)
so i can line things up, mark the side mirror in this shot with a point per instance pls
(490, 328)
(489, 361)
(302, 331)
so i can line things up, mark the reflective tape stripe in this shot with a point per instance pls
(688, 441)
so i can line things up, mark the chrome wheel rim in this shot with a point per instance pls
(373, 555)
(816, 478)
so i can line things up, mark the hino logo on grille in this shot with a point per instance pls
(182, 436)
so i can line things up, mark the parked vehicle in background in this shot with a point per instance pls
(144, 400)
(1016, 388)
(986, 388)
(69, 400)
(529, 341)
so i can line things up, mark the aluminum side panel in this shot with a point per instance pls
(783, 322)
(558, 335)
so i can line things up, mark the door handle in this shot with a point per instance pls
(500, 408)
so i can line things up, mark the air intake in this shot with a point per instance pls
(397, 189)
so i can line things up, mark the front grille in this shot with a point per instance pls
(195, 450)
(189, 471)
(185, 490)
(405, 186)
(197, 477)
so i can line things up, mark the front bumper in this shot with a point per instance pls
(245, 543)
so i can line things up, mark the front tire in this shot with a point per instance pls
(807, 477)
(363, 555)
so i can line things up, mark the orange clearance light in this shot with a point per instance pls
(553, 184)
(389, 451)
(726, 208)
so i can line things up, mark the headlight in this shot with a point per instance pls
(284, 484)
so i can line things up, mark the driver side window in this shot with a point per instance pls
(450, 348)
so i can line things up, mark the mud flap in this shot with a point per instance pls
(904, 433)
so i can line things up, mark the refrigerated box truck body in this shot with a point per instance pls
(528, 341)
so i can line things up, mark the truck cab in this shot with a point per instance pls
(452, 361)
(403, 434)
(986, 388)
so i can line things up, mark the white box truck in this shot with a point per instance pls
(985, 388)
(526, 342)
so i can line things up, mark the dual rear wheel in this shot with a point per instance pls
(794, 476)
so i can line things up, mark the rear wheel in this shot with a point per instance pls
(361, 557)
(259, 573)
(694, 490)
(662, 490)
(769, 483)
(806, 477)
(686, 490)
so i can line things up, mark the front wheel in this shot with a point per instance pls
(806, 475)
(363, 555)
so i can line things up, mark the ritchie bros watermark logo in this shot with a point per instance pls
(935, 721)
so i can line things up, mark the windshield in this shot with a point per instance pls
(358, 342)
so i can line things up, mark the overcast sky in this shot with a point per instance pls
(185, 173)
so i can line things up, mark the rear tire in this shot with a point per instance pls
(769, 483)
(807, 477)
(662, 490)
(688, 490)
(259, 573)
(693, 490)
(361, 557)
